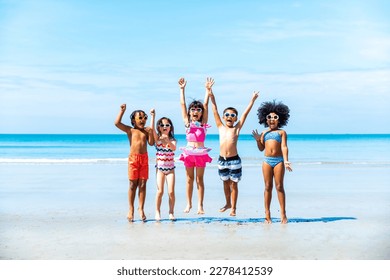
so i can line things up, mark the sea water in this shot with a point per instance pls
(304, 149)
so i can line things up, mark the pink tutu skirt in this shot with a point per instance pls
(195, 157)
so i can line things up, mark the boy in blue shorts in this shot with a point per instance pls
(229, 162)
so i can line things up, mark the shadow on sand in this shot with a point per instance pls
(208, 220)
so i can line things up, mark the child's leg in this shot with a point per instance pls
(279, 178)
(171, 193)
(189, 187)
(227, 192)
(141, 198)
(160, 179)
(268, 174)
(131, 196)
(234, 196)
(200, 184)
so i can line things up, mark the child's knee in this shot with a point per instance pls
(199, 180)
(279, 187)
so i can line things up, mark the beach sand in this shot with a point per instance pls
(78, 212)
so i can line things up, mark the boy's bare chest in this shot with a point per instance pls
(138, 135)
(228, 134)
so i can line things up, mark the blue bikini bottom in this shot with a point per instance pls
(273, 161)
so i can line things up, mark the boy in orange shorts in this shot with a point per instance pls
(138, 165)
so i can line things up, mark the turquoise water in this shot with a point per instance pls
(85, 148)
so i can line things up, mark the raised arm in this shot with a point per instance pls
(247, 110)
(217, 117)
(118, 121)
(208, 85)
(152, 125)
(182, 84)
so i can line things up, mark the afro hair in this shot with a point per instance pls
(273, 107)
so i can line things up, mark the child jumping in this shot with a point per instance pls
(229, 162)
(138, 166)
(165, 143)
(273, 141)
(195, 154)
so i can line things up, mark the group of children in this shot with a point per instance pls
(273, 141)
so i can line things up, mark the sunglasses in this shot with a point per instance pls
(274, 117)
(143, 118)
(233, 115)
(165, 125)
(196, 110)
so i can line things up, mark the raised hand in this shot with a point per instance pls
(209, 83)
(182, 83)
(123, 107)
(256, 135)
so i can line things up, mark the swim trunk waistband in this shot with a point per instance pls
(236, 157)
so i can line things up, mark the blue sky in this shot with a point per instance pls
(67, 65)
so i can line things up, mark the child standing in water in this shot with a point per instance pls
(165, 143)
(273, 141)
(195, 154)
(138, 166)
(229, 162)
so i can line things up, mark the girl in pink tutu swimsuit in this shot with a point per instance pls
(195, 154)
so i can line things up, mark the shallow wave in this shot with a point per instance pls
(245, 162)
(62, 161)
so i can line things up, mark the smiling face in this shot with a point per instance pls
(195, 114)
(273, 121)
(139, 120)
(164, 127)
(230, 117)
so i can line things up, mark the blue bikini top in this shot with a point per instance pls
(272, 135)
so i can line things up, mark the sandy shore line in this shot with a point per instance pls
(77, 212)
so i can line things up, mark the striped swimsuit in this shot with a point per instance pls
(165, 158)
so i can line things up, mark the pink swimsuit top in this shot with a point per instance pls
(196, 132)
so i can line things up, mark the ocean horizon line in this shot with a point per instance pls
(247, 162)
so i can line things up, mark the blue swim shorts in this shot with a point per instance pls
(230, 168)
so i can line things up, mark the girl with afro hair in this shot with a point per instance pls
(273, 141)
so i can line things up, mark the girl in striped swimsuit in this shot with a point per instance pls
(165, 143)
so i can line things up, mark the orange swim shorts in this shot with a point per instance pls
(138, 166)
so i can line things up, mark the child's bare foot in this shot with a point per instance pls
(188, 208)
(172, 217)
(226, 207)
(283, 219)
(142, 214)
(200, 211)
(233, 212)
(157, 216)
(268, 219)
(130, 217)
